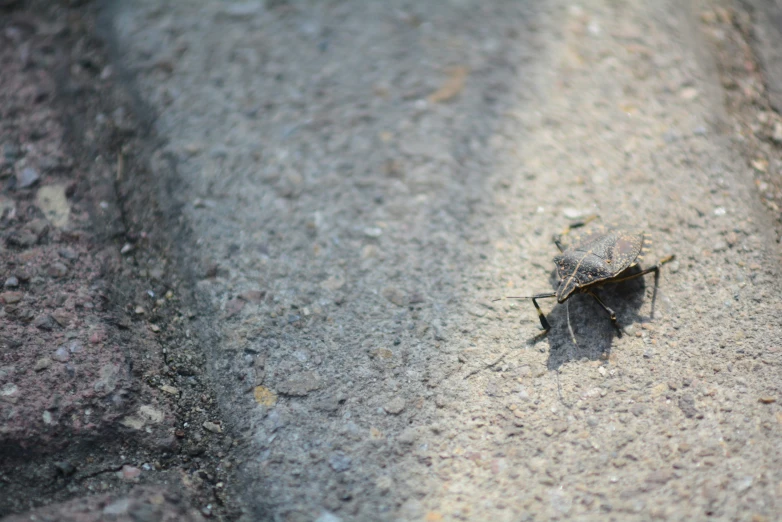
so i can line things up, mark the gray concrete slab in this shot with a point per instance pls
(361, 178)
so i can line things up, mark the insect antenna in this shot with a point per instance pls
(569, 326)
(572, 338)
(543, 321)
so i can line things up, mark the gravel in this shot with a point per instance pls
(27, 177)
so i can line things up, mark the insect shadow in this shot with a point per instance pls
(580, 327)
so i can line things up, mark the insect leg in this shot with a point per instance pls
(611, 313)
(543, 321)
(655, 269)
(577, 224)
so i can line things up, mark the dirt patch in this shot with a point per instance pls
(101, 389)
(749, 88)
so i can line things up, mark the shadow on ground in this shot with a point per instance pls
(592, 331)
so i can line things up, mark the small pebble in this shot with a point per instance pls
(373, 232)
(395, 406)
(252, 296)
(44, 322)
(9, 390)
(27, 177)
(130, 472)
(169, 389)
(57, 270)
(62, 354)
(11, 282)
(300, 384)
(42, 364)
(742, 485)
(328, 517)
(11, 152)
(118, 507)
(394, 295)
(65, 468)
(11, 297)
(759, 164)
(233, 307)
(62, 317)
(689, 93)
(213, 427)
(339, 462)
(23, 239)
(68, 253)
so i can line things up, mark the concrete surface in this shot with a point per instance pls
(293, 273)
(362, 178)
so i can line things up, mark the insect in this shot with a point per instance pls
(594, 259)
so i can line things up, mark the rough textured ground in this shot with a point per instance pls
(89, 402)
(750, 65)
(140, 504)
(311, 236)
(362, 178)
(65, 364)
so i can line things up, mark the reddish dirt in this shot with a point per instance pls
(89, 400)
(748, 87)
(141, 504)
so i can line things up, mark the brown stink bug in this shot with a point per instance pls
(593, 259)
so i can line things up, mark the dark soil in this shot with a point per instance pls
(99, 378)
